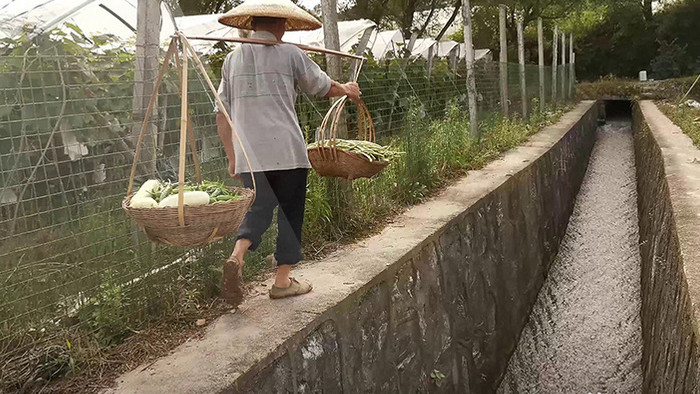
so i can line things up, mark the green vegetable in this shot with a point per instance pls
(217, 191)
(369, 150)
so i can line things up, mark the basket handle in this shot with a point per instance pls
(166, 62)
(220, 104)
(190, 130)
(366, 130)
(185, 120)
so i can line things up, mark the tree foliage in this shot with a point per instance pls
(396, 14)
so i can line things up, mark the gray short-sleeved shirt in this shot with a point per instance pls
(258, 88)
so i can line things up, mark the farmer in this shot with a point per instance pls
(258, 89)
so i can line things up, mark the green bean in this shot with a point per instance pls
(369, 150)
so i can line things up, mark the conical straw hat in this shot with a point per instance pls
(297, 19)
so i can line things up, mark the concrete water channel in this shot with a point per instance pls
(571, 265)
(584, 334)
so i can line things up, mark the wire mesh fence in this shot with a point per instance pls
(71, 262)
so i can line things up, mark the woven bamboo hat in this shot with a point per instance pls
(297, 19)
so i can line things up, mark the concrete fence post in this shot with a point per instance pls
(503, 58)
(572, 74)
(431, 56)
(563, 66)
(471, 79)
(145, 71)
(540, 57)
(521, 62)
(453, 57)
(361, 47)
(555, 57)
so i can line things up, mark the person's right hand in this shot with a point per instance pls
(232, 169)
(352, 90)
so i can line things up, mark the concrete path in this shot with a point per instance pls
(584, 333)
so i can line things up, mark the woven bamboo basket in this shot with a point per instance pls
(189, 226)
(203, 224)
(327, 160)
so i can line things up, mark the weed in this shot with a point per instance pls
(685, 117)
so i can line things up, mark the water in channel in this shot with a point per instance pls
(584, 332)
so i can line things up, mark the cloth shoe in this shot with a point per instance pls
(232, 281)
(295, 288)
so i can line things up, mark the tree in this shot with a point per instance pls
(197, 7)
(677, 22)
(394, 14)
(616, 40)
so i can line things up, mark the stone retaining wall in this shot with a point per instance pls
(454, 307)
(666, 187)
(435, 303)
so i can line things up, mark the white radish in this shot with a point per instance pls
(147, 187)
(192, 198)
(142, 202)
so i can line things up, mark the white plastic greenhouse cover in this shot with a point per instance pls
(206, 25)
(446, 47)
(386, 42)
(118, 18)
(350, 33)
(422, 47)
(93, 17)
(479, 54)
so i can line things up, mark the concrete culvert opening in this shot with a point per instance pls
(584, 332)
(618, 109)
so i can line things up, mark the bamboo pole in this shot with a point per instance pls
(183, 141)
(266, 42)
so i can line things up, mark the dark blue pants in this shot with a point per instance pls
(286, 189)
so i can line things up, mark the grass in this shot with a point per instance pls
(685, 117)
(669, 89)
(435, 152)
